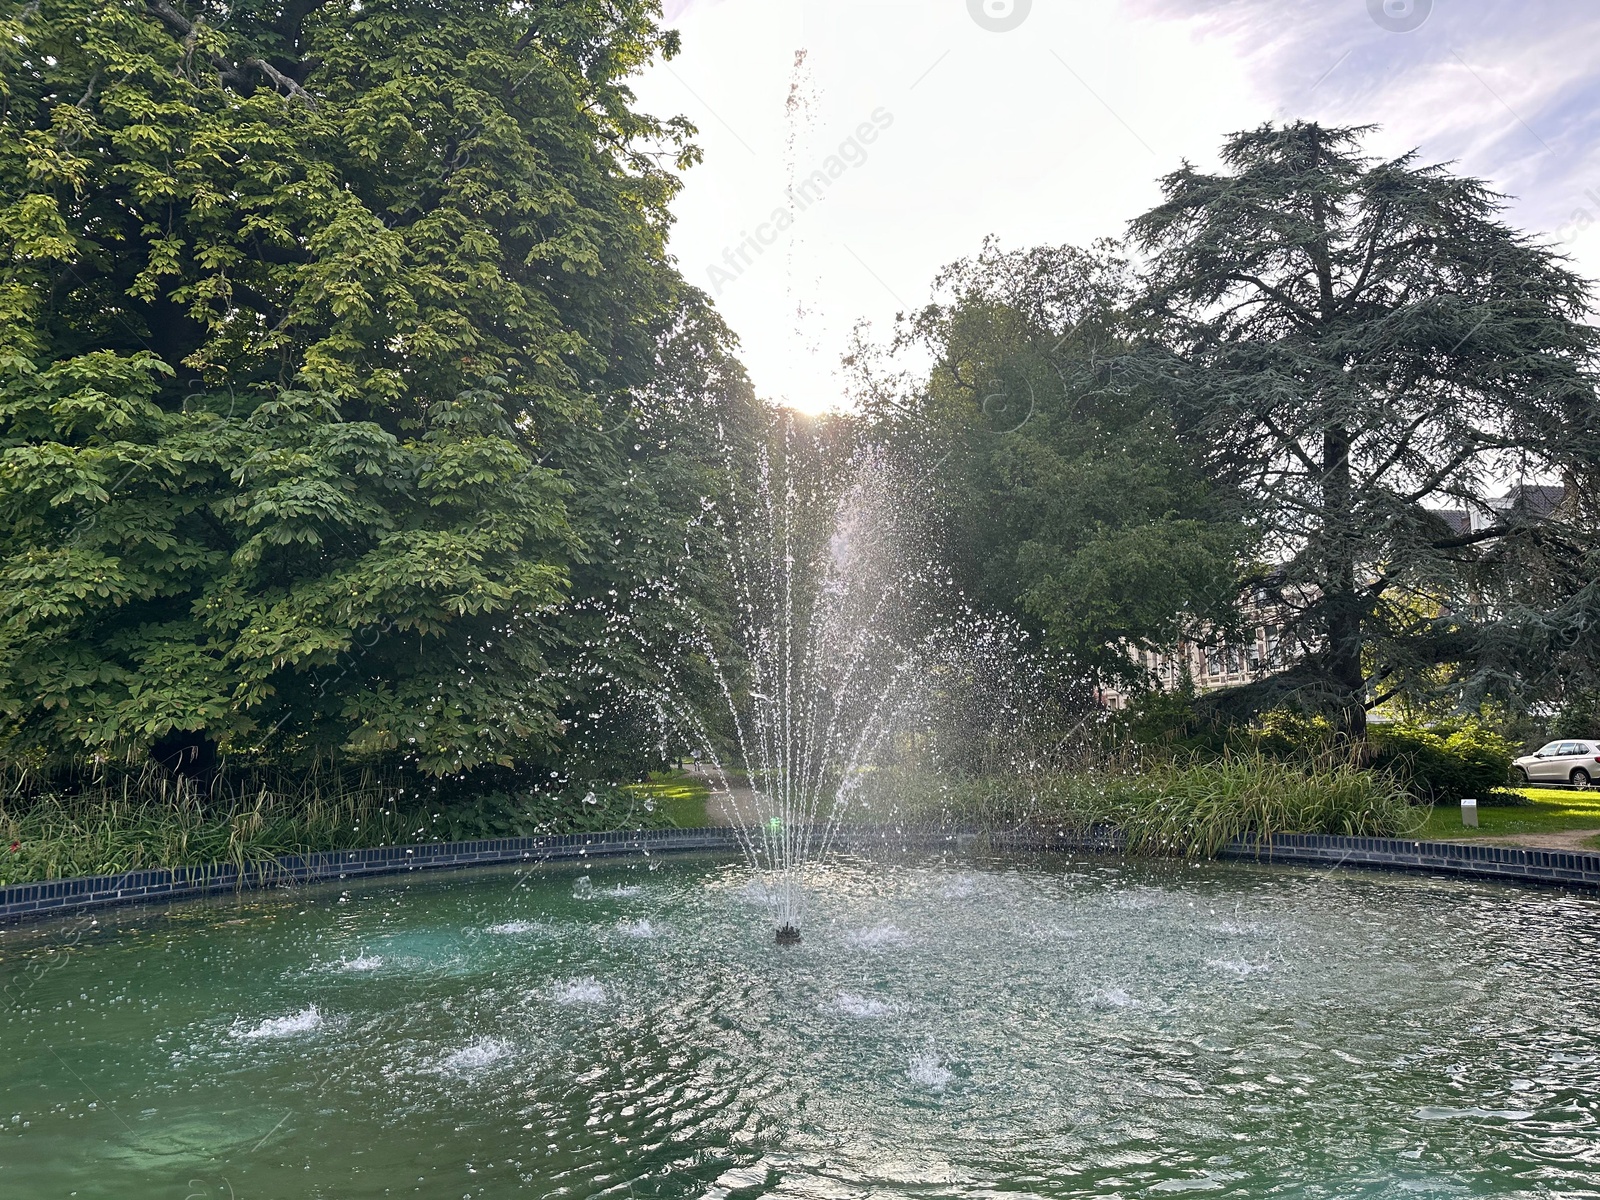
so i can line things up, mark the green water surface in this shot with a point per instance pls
(1050, 1027)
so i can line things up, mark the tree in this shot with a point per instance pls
(1367, 356)
(329, 331)
(1070, 503)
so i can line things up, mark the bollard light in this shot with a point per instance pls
(1469, 811)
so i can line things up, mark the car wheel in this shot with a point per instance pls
(1580, 779)
(1518, 775)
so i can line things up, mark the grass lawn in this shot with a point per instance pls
(680, 798)
(1552, 811)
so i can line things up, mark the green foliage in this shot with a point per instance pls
(1197, 808)
(1438, 764)
(1442, 765)
(1168, 722)
(339, 355)
(1287, 734)
(1579, 716)
(127, 820)
(1072, 504)
(496, 814)
(123, 821)
(1352, 345)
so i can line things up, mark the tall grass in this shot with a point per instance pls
(1195, 809)
(120, 819)
(1190, 808)
(125, 821)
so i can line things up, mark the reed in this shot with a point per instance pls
(1195, 809)
(1190, 809)
(132, 820)
(118, 819)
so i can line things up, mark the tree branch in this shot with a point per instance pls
(1485, 534)
(170, 17)
(228, 72)
(282, 82)
(1456, 461)
(1402, 447)
(1289, 442)
(1300, 312)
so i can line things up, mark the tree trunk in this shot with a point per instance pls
(1343, 601)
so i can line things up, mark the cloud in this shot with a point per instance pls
(1505, 88)
(1059, 130)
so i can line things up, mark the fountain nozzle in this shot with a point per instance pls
(788, 935)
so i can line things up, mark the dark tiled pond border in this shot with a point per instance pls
(1563, 867)
(1509, 864)
(25, 901)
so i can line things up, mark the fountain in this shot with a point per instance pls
(960, 1022)
(836, 637)
(846, 636)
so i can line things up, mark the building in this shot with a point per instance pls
(1269, 647)
(1219, 663)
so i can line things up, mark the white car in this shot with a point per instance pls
(1574, 762)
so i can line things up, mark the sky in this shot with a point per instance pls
(936, 123)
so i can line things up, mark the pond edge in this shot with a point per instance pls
(30, 901)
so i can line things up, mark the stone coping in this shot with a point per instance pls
(30, 901)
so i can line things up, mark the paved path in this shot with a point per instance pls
(725, 806)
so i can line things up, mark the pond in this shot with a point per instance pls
(1049, 1026)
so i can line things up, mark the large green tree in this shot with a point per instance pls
(339, 346)
(1368, 357)
(1068, 500)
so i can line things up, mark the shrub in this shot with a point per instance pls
(1441, 765)
(1170, 722)
(1436, 765)
(1285, 734)
(1579, 717)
